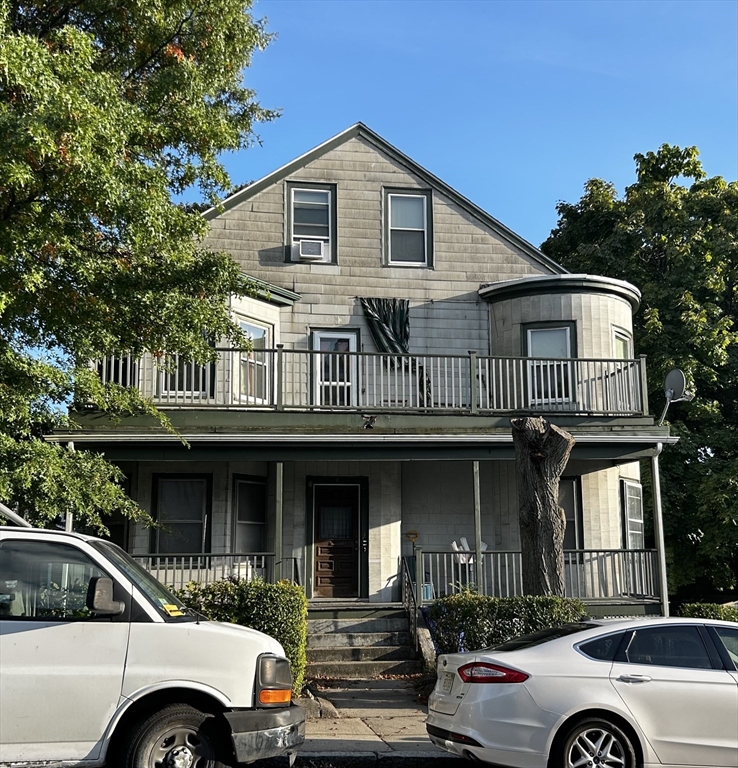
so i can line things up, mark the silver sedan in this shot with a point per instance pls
(633, 693)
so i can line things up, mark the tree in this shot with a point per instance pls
(542, 451)
(673, 234)
(107, 109)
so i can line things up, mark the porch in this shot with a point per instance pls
(303, 380)
(591, 575)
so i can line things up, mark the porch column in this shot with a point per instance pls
(658, 530)
(478, 530)
(278, 525)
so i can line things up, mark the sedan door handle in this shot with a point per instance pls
(634, 678)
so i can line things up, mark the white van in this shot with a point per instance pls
(101, 664)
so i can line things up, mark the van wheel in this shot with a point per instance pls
(177, 736)
(597, 742)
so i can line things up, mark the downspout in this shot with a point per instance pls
(658, 529)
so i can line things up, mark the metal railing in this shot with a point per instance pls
(409, 599)
(589, 574)
(293, 379)
(176, 571)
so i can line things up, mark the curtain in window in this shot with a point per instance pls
(389, 323)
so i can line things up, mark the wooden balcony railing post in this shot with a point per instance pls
(473, 393)
(644, 385)
(278, 377)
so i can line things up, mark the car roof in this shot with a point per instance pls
(17, 529)
(631, 622)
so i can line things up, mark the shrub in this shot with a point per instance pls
(279, 610)
(709, 611)
(467, 621)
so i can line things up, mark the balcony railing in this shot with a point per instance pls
(289, 379)
(589, 574)
(176, 571)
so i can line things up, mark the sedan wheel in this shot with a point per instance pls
(595, 742)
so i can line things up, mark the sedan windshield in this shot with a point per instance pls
(543, 636)
(168, 606)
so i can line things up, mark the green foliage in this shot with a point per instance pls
(673, 234)
(709, 611)
(469, 621)
(279, 610)
(107, 109)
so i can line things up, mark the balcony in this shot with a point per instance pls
(307, 380)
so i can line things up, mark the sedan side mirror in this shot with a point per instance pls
(100, 597)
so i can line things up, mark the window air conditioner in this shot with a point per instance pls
(311, 250)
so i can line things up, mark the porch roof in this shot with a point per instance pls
(605, 447)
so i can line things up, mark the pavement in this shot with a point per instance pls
(367, 723)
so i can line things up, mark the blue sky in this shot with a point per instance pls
(513, 103)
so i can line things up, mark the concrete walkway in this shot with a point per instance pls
(365, 723)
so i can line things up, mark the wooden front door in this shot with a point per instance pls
(336, 540)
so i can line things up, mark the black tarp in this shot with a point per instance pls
(389, 323)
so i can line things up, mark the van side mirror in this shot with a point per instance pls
(100, 597)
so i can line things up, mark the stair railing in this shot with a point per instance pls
(409, 598)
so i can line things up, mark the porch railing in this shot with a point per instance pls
(589, 574)
(176, 571)
(292, 379)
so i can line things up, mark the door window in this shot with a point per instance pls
(335, 368)
(668, 647)
(729, 638)
(44, 581)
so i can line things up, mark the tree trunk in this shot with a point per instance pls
(542, 450)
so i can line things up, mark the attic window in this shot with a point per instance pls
(311, 215)
(408, 224)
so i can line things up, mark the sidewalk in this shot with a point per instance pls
(365, 723)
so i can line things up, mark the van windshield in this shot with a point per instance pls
(171, 608)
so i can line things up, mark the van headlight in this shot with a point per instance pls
(273, 681)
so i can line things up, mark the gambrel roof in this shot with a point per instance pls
(359, 130)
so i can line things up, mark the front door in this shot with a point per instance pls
(336, 514)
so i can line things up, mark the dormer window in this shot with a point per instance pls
(311, 217)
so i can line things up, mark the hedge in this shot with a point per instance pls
(467, 621)
(709, 611)
(279, 610)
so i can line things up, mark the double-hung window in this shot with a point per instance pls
(251, 504)
(312, 222)
(409, 228)
(633, 529)
(182, 505)
(550, 375)
(254, 370)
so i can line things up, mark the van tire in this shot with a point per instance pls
(196, 737)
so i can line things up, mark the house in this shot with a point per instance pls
(397, 329)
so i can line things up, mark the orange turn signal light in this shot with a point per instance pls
(272, 696)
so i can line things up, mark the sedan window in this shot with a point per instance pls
(543, 636)
(679, 646)
(730, 641)
(602, 648)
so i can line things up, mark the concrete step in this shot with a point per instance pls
(363, 624)
(356, 639)
(355, 611)
(361, 670)
(370, 653)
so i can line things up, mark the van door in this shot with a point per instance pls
(61, 668)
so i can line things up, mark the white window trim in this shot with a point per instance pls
(296, 239)
(625, 485)
(351, 384)
(244, 357)
(562, 399)
(390, 229)
(617, 333)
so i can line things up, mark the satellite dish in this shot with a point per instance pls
(675, 390)
(675, 385)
